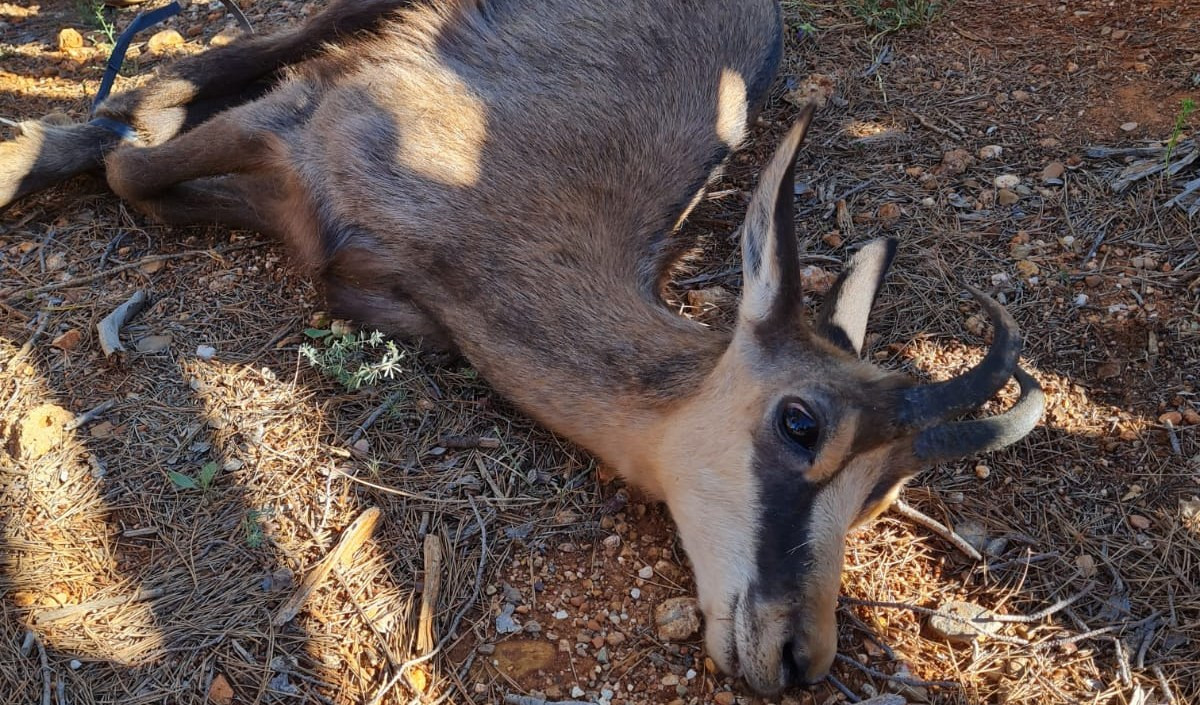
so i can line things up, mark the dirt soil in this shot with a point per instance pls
(144, 553)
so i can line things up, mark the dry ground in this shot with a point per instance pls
(179, 584)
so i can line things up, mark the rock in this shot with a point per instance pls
(832, 238)
(677, 619)
(1027, 268)
(1171, 417)
(205, 352)
(973, 533)
(614, 638)
(1053, 172)
(818, 89)
(1006, 197)
(68, 340)
(225, 37)
(1086, 565)
(724, 697)
(1191, 417)
(645, 572)
(1008, 181)
(1129, 126)
(505, 624)
(889, 213)
(69, 38)
(1021, 96)
(966, 624)
(991, 151)
(219, 691)
(1139, 522)
(982, 472)
(577, 692)
(1081, 299)
(165, 41)
(152, 343)
(954, 162)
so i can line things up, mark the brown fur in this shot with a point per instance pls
(506, 178)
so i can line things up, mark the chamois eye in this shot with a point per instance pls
(800, 426)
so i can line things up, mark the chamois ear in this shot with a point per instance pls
(843, 316)
(770, 259)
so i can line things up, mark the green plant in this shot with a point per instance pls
(1186, 107)
(202, 481)
(887, 16)
(92, 12)
(252, 528)
(353, 359)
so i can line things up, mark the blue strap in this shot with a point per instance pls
(117, 57)
(119, 129)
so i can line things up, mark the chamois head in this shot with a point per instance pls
(793, 439)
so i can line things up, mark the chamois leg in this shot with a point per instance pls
(183, 96)
(194, 89)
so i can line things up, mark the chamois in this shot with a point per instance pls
(506, 179)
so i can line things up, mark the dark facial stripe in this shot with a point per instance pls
(783, 554)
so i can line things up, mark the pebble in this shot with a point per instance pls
(205, 352)
(982, 472)
(152, 343)
(68, 340)
(225, 37)
(1053, 172)
(1171, 417)
(1081, 300)
(576, 692)
(724, 698)
(1008, 181)
(76, 664)
(677, 619)
(69, 38)
(164, 41)
(646, 572)
(991, 151)
(1139, 522)
(1191, 417)
(560, 615)
(635, 593)
(1129, 126)
(1005, 197)
(954, 629)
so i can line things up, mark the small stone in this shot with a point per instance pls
(602, 655)
(219, 691)
(966, 625)
(1139, 522)
(612, 541)
(1086, 565)
(1005, 197)
(1118, 34)
(615, 638)
(225, 37)
(677, 619)
(1027, 268)
(560, 615)
(152, 343)
(889, 212)
(152, 266)
(832, 238)
(69, 38)
(954, 162)
(1081, 299)
(1021, 96)
(205, 352)
(68, 340)
(646, 572)
(635, 593)
(991, 151)
(577, 692)
(1008, 181)
(165, 41)
(1191, 417)
(505, 624)
(982, 472)
(724, 697)
(670, 680)
(362, 445)
(75, 664)
(1129, 126)
(1053, 172)
(1171, 417)
(973, 533)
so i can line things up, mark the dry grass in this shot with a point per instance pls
(193, 576)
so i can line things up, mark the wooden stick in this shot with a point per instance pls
(84, 607)
(903, 509)
(45, 672)
(426, 639)
(352, 538)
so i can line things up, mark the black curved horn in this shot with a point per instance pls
(952, 441)
(931, 404)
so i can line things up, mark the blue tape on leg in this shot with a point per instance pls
(117, 57)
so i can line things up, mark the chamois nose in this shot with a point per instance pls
(799, 668)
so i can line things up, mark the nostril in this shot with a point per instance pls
(794, 665)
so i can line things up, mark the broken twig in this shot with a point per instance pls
(89, 416)
(85, 607)
(110, 326)
(352, 538)
(908, 512)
